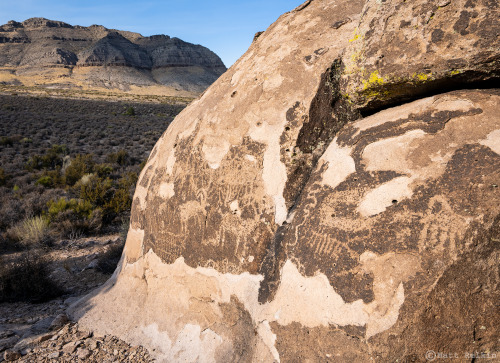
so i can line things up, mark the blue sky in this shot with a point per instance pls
(225, 26)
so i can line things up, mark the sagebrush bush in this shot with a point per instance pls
(51, 178)
(6, 141)
(52, 158)
(45, 181)
(32, 230)
(121, 158)
(27, 278)
(3, 177)
(11, 211)
(72, 216)
(98, 191)
(70, 223)
(130, 111)
(103, 170)
(80, 165)
(120, 202)
(81, 208)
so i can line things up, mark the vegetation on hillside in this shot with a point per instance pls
(68, 169)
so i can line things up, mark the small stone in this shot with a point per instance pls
(71, 347)
(11, 355)
(64, 330)
(83, 354)
(115, 352)
(82, 335)
(93, 345)
(92, 265)
(44, 337)
(54, 355)
(443, 3)
(59, 321)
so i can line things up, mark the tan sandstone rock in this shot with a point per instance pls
(272, 222)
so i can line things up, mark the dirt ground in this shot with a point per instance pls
(43, 333)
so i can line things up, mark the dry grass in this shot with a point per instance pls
(33, 230)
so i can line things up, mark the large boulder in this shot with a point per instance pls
(273, 221)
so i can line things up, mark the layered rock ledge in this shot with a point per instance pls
(63, 55)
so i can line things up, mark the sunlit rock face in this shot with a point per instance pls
(281, 217)
(58, 54)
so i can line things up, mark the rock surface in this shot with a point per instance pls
(285, 216)
(59, 54)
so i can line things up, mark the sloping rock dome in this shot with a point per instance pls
(303, 210)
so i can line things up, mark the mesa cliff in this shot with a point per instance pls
(332, 197)
(51, 53)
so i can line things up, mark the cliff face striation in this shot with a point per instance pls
(332, 197)
(53, 53)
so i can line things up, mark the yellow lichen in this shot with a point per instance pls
(422, 77)
(455, 72)
(374, 80)
(356, 36)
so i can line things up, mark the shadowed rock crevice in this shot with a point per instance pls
(328, 113)
(396, 94)
(271, 266)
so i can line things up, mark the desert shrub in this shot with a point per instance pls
(35, 202)
(142, 165)
(3, 177)
(81, 208)
(128, 181)
(50, 178)
(8, 244)
(31, 230)
(45, 181)
(103, 170)
(107, 262)
(73, 216)
(112, 198)
(97, 191)
(70, 223)
(11, 211)
(120, 157)
(52, 158)
(120, 202)
(80, 165)
(130, 111)
(6, 141)
(27, 279)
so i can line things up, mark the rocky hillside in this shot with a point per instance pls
(52, 53)
(333, 197)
